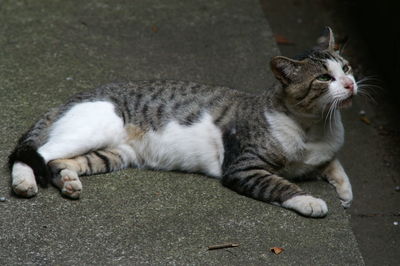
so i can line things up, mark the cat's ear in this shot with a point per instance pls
(285, 69)
(326, 41)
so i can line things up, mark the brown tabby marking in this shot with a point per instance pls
(134, 132)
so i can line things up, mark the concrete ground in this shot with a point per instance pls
(52, 49)
(371, 153)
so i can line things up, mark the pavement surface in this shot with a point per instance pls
(52, 49)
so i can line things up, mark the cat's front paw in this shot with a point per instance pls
(344, 192)
(71, 185)
(307, 206)
(346, 198)
(25, 187)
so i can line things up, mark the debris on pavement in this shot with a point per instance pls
(363, 117)
(277, 250)
(280, 39)
(396, 223)
(397, 188)
(2, 199)
(225, 245)
(154, 28)
(365, 120)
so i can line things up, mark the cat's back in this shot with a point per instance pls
(154, 103)
(165, 91)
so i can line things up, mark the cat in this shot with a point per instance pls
(255, 144)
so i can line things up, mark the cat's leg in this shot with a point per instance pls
(254, 181)
(335, 175)
(86, 126)
(67, 171)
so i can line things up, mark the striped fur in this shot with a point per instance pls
(95, 162)
(254, 144)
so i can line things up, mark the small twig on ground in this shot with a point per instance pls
(225, 245)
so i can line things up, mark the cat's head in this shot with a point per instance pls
(317, 81)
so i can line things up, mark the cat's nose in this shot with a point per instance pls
(348, 84)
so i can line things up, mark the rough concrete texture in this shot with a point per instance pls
(52, 49)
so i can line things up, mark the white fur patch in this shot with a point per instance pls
(307, 205)
(336, 87)
(305, 151)
(195, 148)
(324, 141)
(287, 132)
(335, 68)
(23, 180)
(86, 126)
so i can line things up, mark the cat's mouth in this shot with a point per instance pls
(346, 103)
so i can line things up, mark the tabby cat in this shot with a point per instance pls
(254, 144)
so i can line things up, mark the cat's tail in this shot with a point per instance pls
(26, 153)
(25, 162)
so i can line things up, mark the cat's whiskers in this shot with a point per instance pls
(328, 106)
(367, 94)
(366, 82)
(332, 106)
(368, 89)
(369, 78)
(372, 87)
(333, 112)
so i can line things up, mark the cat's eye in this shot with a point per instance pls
(325, 77)
(346, 68)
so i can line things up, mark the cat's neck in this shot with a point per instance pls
(310, 119)
(306, 119)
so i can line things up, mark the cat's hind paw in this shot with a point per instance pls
(25, 188)
(71, 185)
(23, 180)
(307, 206)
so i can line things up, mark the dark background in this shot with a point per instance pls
(376, 22)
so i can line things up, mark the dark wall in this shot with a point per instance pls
(379, 22)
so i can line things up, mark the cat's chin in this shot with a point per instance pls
(346, 103)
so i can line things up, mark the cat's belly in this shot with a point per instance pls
(95, 126)
(195, 148)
